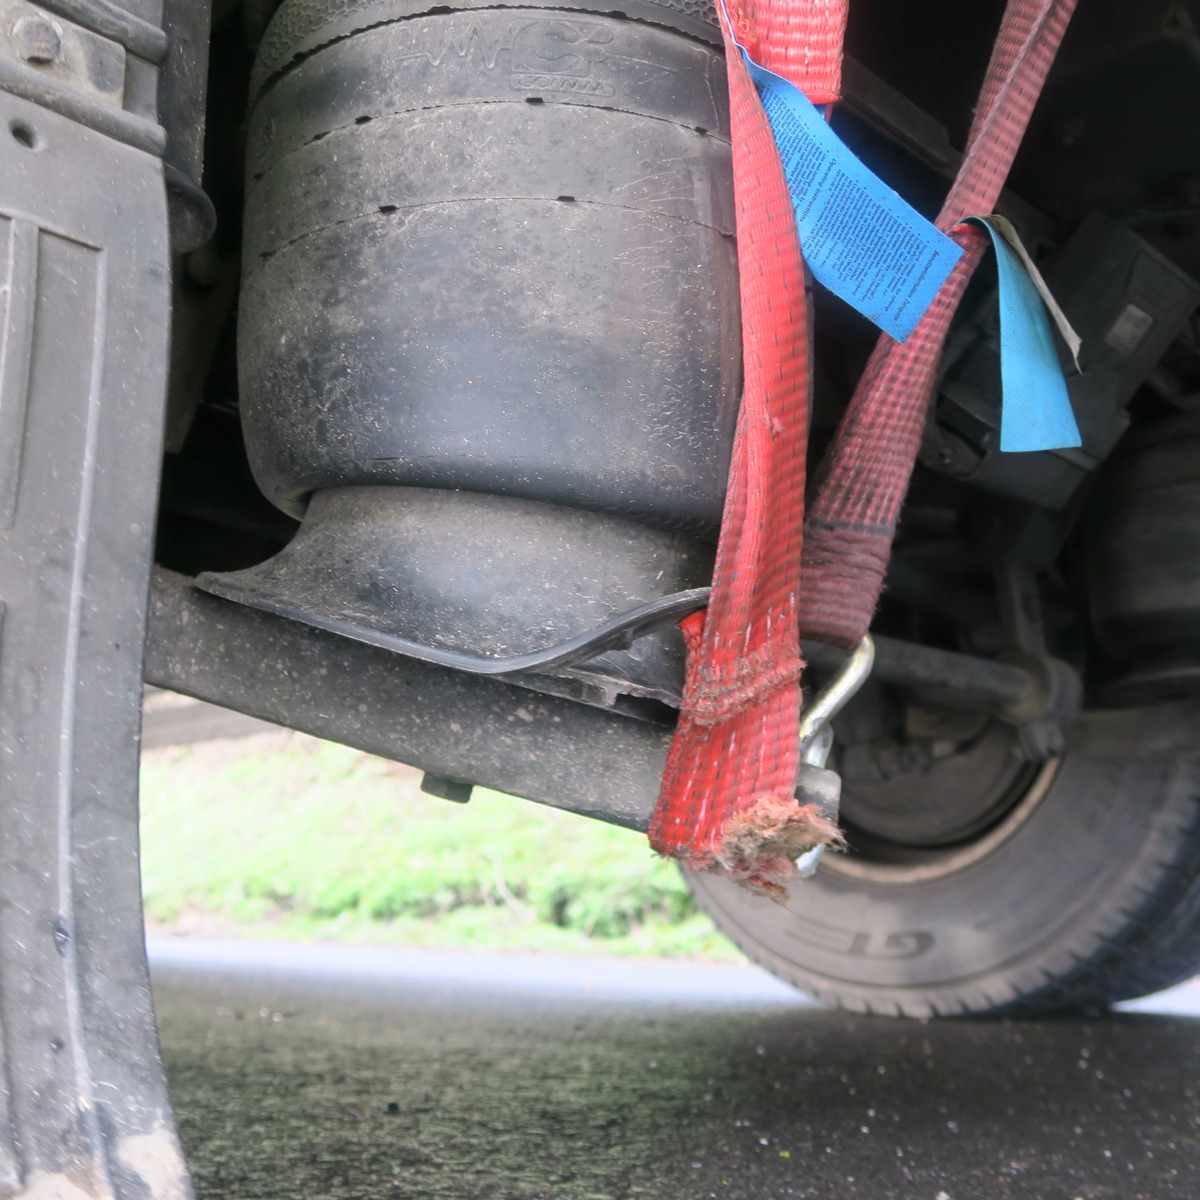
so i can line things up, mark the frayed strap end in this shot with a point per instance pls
(759, 845)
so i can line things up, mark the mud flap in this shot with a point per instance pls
(84, 310)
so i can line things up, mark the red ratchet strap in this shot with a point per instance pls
(863, 479)
(727, 800)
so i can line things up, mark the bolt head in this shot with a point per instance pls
(36, 39)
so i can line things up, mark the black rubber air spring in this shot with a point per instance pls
(490, 251)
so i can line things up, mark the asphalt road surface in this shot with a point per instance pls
(305, 1073)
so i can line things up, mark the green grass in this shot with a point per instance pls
(284, 835)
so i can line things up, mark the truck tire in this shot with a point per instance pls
(1086, 892)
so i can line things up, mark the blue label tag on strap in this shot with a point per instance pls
(1035, 411)
(859, 238)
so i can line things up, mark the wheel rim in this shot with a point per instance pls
(876, 860)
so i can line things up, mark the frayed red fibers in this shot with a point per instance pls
(761, 843)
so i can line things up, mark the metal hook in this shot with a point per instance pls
(816, 730)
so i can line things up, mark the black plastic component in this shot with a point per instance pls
(488, 585)
(84, 309)
(1127, 302)
(489, 327)
(1143, 562)
(182, 90)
